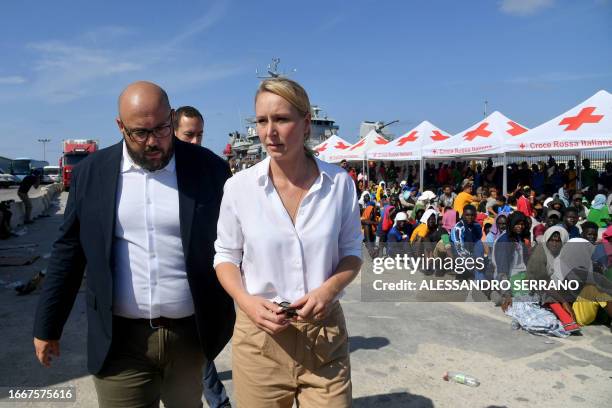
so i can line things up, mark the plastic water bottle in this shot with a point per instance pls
(461, 378)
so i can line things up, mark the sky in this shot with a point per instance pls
(64, 63)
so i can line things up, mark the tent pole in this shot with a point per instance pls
(579, 170)
(505, 173)
(422, 175)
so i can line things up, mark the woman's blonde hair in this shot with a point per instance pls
(294, 93)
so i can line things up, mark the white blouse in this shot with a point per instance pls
(280, 261)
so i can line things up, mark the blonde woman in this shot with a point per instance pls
(289, 231)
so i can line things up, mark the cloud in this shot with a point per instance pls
(524, 7)
(91, 64)
(12, 80)
(331, 23)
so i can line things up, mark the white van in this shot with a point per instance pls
(51, 174)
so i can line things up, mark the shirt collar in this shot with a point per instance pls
(127, 164)
(263, 169)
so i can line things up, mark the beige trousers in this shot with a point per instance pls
(307, 363)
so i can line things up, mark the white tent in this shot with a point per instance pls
(483, 138)
(408, 146)
(333, 145)
(359, 150)
(587, 126)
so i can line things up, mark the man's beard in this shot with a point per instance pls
(141, 160)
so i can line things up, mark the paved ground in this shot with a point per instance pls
(399, 351)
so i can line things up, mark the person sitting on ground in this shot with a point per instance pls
(570, 218)
(427, 224)
(465, 197)
(466, 238)
(603, 252)
(575, 263)
(599, 213)
(399, 233)
(502, 206)
(589, 231)
(543, 265)
(447, 198)
(380, 191)
(497, 229)
(579, 206)
(553, 218)
(369, 219)
(510, 253)
(523, 204)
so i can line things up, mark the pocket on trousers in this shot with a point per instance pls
(247, 336)
(331, 343)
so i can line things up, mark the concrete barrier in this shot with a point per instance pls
(40, 204)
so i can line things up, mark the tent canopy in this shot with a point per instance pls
(359, 150)
(485, 137)
(408, 146)
(587, 126)
(332, 145)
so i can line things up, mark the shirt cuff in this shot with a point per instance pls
(220, 258)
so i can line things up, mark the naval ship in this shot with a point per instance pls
(244, 148)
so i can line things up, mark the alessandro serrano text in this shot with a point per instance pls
(455, 285)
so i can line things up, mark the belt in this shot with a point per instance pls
(157, 322)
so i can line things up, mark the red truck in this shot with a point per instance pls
(74, 150)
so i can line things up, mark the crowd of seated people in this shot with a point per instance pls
(550, 227)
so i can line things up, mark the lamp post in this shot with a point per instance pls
(44, 142)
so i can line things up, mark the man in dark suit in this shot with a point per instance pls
(142, 216)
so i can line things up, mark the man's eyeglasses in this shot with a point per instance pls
(141, 135)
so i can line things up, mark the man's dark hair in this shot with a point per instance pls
(589, 225)
(569, 210)
(469, 207)
(187, 111)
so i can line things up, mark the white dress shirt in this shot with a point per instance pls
(280, 261)
(150, 279)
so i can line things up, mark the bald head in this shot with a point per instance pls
(145, 120)
(140, 98)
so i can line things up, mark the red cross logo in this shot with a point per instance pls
(515, 129)
(479, 131)
(437, 136)
(322, 148)
(585, 116)
(522, 146)
(381, 140)
(361, 142)
(408, 138)
(341, 145)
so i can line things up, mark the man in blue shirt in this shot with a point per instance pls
(570, 218)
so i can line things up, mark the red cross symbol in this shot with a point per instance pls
(437, 136)
(381, 140)
(322, 148)
(361, 142)
(479, 131)
(515, 129)
(408, 138)
(522, 146)
(341, 145)
(585, 116)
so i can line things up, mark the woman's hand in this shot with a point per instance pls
(315, 304)
(266, 315)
